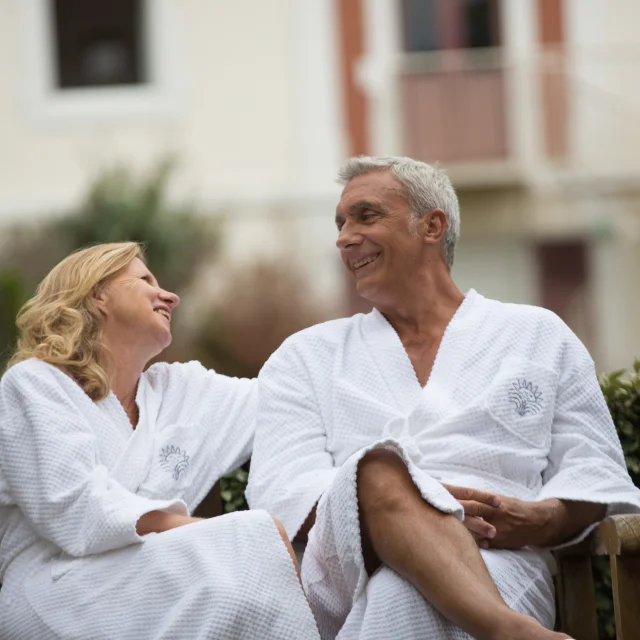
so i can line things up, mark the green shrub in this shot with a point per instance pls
(118, 205)
(13, 294)
(232, 488)
(622, 394)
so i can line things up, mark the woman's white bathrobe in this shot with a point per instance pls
(74, 480)
(512, 406)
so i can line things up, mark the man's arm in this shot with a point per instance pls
(561, 520)
(513, 523)
(585, 479)
(547, 523)
(290, 467)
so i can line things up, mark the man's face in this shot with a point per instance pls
(376, 237)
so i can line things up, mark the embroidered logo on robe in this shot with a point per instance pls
(174, 460)
(526, 397)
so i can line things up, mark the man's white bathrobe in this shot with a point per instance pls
(74, 480)
(512, 406)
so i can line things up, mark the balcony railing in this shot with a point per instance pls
(489, 117)
(453, 106)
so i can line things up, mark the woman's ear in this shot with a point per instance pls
(99, 298)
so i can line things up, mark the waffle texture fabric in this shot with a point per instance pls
(512, 406)
(74, 480)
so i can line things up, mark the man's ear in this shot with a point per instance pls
(434, 225)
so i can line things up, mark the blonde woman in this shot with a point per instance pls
(102, 462)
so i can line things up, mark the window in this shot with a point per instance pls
(480, 23)
(421, 25)
(98, 43)
(431, 25)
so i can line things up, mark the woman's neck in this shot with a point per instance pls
(125, 375)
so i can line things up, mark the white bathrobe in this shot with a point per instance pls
(512, 406)
(74, 480)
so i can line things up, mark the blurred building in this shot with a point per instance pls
(533, 107)
(244, 92)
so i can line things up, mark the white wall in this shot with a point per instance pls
(604, 67)
(502, 269)
(245, 93)
(249, 100)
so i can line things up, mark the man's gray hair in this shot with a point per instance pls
(427, 188)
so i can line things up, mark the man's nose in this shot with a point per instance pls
(348, 235)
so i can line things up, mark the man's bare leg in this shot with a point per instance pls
(434, 552)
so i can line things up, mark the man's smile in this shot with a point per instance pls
(364, 261)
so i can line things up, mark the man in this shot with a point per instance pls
(377, 432)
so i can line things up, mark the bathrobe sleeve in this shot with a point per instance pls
(49, 458)
(291, 467)
(586, 462)
(210, 418)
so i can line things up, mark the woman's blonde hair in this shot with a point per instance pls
(62, 325)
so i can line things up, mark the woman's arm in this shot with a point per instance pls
(211, 417)
(50, 460)
(159, 521)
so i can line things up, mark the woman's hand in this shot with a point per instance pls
(159, 521)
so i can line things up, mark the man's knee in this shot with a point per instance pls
(383, 480)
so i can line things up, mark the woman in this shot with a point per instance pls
(101, 464)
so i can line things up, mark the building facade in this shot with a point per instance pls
(532, 106)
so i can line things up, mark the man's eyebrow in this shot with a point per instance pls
(361, 205)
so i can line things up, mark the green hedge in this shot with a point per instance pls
(622, 393)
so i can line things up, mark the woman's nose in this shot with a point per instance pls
(172, 299)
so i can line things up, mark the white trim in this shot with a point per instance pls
(47, 104)
(523, 110)
(377, 73)
(315, 66)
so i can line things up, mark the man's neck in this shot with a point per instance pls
(425, 308)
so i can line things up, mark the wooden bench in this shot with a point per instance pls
(619, 538)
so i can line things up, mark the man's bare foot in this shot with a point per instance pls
(521, 627)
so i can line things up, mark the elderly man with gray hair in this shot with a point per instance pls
(434, 449)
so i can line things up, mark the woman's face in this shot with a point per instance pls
(137, 312)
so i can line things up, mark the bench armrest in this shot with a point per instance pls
(617, 536)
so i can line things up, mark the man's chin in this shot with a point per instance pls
(366, 289)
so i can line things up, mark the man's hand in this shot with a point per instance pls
(500, 522)
(480, 509)
(519, 524)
